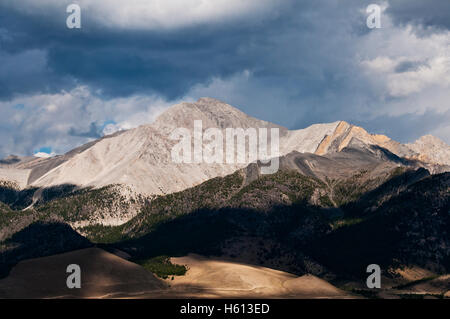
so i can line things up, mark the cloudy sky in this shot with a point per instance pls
(294, 63)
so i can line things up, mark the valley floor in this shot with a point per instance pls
(215, 278)
(106, 275)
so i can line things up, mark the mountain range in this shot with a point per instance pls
(341, 199)
(140, 157)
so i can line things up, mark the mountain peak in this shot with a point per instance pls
(209, 100)
(141, 158)
(212, 112)
(215, 106)
(431, 149)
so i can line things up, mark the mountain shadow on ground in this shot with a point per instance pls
(39, 240)
(411, 227)
(16, 199)
(20, 199)
(206, 232)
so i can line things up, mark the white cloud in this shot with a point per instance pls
(422, 87)
(111, 129)
(154, 14)
(43, 155)
(435, 71)
(51, 108)
(46, 120)
(381, 64)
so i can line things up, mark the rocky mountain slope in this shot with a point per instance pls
(140, 158)
(327, 215)
(275, 220)
(431, 149)
(331, 227)
(132, 167)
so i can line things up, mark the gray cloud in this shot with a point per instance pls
(410, 127)
(406, 66)
(298, 64)
(434, 13)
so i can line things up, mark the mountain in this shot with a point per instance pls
(133, 166)
(431, 149)
(341, 199)
(140, 158)
(301, 221)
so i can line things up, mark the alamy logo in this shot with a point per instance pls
(374, 280)
(74, 279)
(241, 146)
(73, 21)
(374, 19)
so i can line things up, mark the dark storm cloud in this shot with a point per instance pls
(120, 63)
(303, 62)
(42, 55)
(434, 13)
(300, 44)
(24, 45)
(410, 66)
